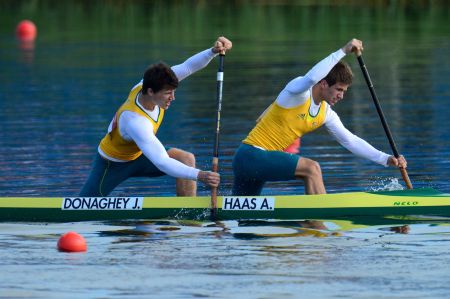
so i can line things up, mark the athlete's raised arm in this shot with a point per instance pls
(297, 90)
(202, 59)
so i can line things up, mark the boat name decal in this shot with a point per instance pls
(406, 203)
(258, 203)
(102, 203)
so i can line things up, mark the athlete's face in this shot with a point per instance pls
(164, 97)
(334, 93)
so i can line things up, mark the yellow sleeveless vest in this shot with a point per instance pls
(279, 127)
(113, 144)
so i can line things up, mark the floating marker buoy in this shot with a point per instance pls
(26, 31)
(72, 242)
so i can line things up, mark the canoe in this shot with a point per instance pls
(386, 204)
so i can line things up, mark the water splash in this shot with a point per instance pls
(386, 184)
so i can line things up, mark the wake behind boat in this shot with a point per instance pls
(384, 204)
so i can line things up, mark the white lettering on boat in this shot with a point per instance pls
(102, 203)
(406, 203)
(258, 203)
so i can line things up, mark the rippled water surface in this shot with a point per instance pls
(58, 96)
(173, 260)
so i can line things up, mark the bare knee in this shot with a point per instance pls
(188, 159)
(184, 157)
(315, 169)
(307, 168)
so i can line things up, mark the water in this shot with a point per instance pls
(144, 260)
(57, 99)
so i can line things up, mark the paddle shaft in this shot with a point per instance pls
(383, 119)
(215, 160)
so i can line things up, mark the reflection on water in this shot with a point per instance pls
(191, 259)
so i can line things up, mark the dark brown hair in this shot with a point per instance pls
(159, 76)
(341, 73)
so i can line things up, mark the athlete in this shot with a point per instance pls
(130, 148)
(302, 106)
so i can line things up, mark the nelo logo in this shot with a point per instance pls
(406, 203)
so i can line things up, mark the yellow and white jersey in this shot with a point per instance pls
(295, 113)
(280, 126)
(114, 145)
(133, 129)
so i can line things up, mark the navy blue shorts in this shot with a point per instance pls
(252, 167)
(106, 175)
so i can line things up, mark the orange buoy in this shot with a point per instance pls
(26, 31)
(72, 242)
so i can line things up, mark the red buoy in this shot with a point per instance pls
(26, 31)
(72, 242)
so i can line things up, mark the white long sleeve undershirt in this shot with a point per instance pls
(298, 90)
(140, 130)
(137, 128)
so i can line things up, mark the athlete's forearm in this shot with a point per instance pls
(168, 165)
(141, 132)
(353, 143)
(193, 64)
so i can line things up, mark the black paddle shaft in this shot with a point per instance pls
(219, 105)
(378, 106)
(215, 161)
(383, 119)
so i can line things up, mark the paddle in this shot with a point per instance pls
(215, 160)
(382, 118)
